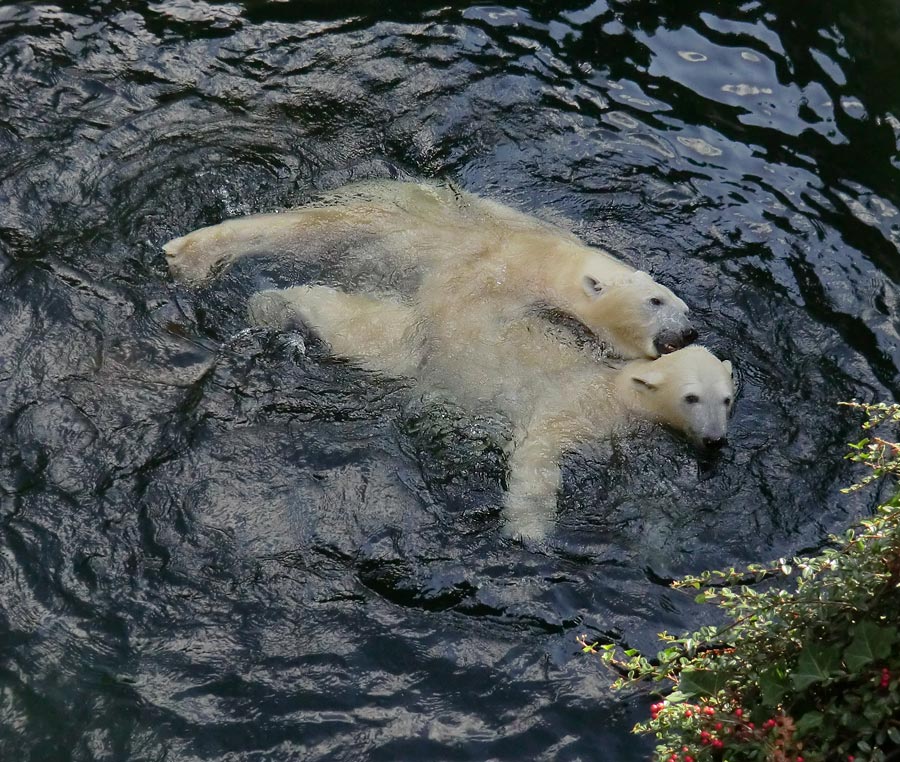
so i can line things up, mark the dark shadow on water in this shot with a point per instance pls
(220, 543)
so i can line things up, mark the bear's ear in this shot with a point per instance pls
(727, 366)
(648, 381)
(592, 287)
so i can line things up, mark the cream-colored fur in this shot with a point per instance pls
(555, 397)
(380, 334)
(474, 249)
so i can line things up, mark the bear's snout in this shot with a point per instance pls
(714, 443)
(672, 340)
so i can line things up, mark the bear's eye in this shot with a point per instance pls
(727, 400)
(656, 301)
(691, 399)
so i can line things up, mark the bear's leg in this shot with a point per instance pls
(379, 333)
(534, 478)
(193, 257)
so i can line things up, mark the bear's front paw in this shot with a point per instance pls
(528, 518)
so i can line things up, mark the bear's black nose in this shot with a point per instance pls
(714, 443)
(690, 336)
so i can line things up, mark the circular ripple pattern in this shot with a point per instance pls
(221, 544)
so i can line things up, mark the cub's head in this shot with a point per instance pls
(638, 316)
(690, 390)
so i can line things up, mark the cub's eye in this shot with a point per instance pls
(727, 400)
(656, 301)
(691, 399)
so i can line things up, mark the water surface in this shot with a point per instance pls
(218, 544)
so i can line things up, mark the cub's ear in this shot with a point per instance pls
(648, 381)
(727, 365)
(592, 287)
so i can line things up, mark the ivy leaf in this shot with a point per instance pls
(701, 682)
(814, 665)
(870, 642)
(773, 684)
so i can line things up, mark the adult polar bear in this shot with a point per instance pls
(556, 399)
(402, 236)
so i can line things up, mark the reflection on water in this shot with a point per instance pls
(221, 544)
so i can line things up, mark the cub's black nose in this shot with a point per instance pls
(714, 443)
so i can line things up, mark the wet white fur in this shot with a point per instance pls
(555, 396)
(445, 239)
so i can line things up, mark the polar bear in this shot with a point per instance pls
(555, 398)
(398, 237)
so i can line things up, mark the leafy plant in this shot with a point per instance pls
(807, 668)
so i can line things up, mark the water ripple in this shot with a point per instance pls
(221, 543)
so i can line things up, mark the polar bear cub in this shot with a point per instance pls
(689, 390)
(438, 236)
(555, 398)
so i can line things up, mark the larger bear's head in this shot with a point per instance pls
(639, 317)
(690, 390)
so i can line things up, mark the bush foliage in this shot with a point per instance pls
(807, 666)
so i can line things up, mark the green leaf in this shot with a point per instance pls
(677, 697)
(814, 665)
(894, 735)
(701, 682)
(809, 721)
(870, 643)
(773, 684)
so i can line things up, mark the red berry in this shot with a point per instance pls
(738, 712)
(717, 744)
(718, 726)
(688, 713)
(751, 725)
(688, 758)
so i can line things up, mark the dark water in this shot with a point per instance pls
(221, 545)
